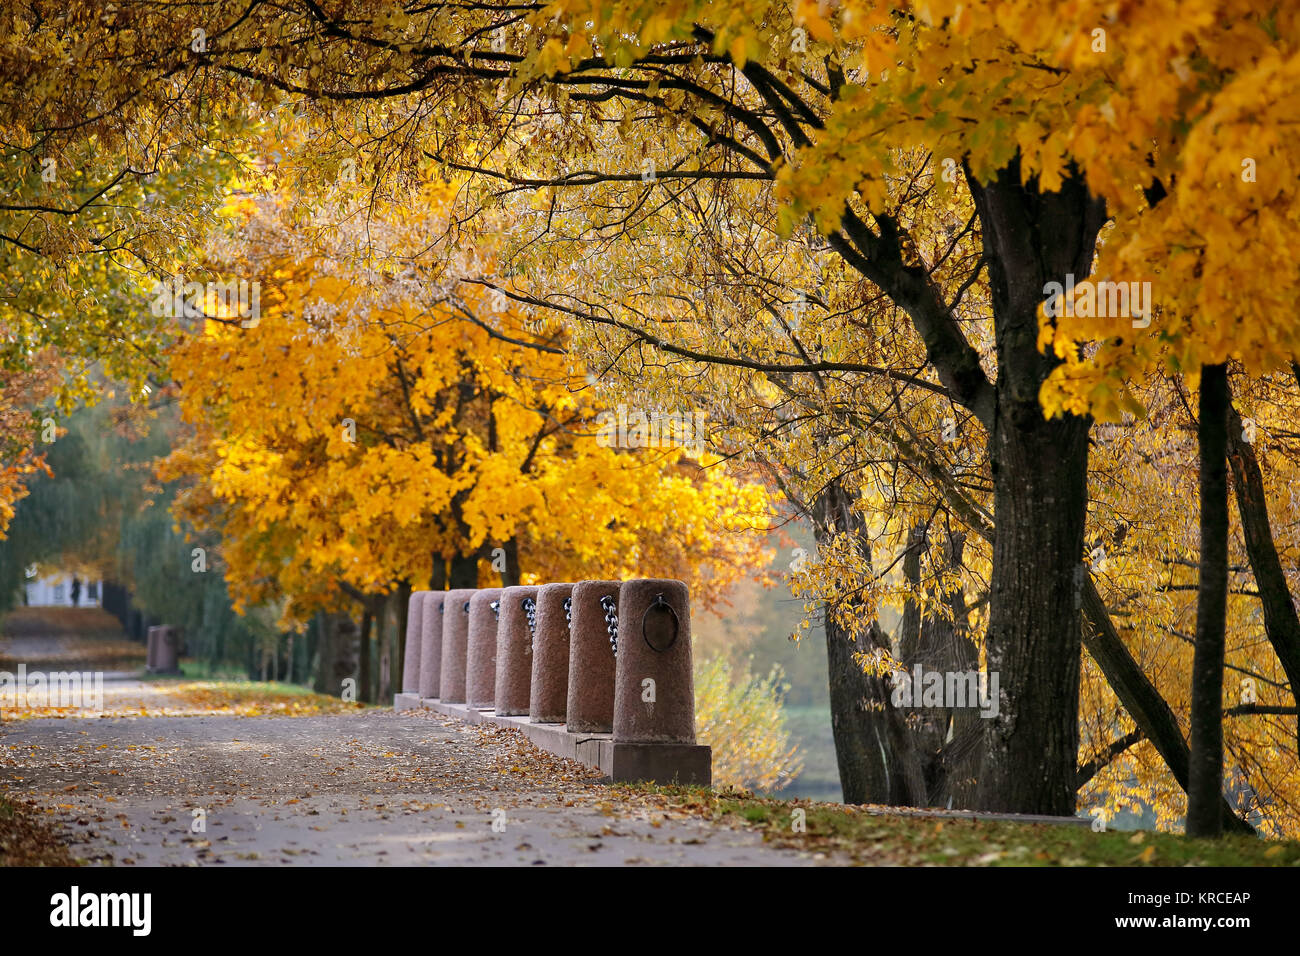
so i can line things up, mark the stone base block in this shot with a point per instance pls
(687, 764)
(406, 702)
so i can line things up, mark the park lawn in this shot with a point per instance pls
(879, 838)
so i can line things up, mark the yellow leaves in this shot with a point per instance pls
(879, 53)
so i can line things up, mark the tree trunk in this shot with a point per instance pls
(363, 680)
(382, 633)
(1281, 623)
(870, 734)
(321, 641)
(403, 611)
(1040, 496)
(510, 576)
(1034, 641)
(1205, 783)
(464, 572)
(338, 652)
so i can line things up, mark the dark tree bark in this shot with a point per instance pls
(337, 660)
(363, 680)
(870, 735)
(1205, 780)
(510, 576)
(1281, 623)
(464, 572)
(403, 612)
(1039, 471)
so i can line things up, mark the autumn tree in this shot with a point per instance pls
(362, 433)
(910, 136)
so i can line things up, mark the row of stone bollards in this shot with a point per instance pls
(598, 671)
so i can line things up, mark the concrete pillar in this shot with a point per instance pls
(431, 643)
(590, 707)
(515, 651)
(548, 696)
(481, 655)
(455, 641)
(411, 660)
(654, 695)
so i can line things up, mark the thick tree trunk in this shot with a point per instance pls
(403, 611)
(363, 679)
(1205, 784)
(510, 576)
(1039, 471)
(320, 638)
(464, 572)
(1034, 641)
(382, 643)
(337, 660)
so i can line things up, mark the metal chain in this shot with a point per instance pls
(568, 611)
(530, 611)
(611, 621)
(496, 609)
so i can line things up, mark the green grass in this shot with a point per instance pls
(878, 838)
(199, 670)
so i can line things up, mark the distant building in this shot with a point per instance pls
(56, 590)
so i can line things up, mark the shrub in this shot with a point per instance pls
(743, 719)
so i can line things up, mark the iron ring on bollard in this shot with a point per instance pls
(660, 605)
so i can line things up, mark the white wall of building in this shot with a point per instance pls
(55, 590)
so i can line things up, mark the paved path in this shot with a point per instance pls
(372, 787)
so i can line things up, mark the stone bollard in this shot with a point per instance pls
(654, 695)
(411, 660)
(481, 654)
(514, 653)
(455, 641)
(430, 638)
(548, 696)
(590, 705)
(163, 652)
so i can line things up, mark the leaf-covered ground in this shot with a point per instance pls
(883, 835)
(26, 839)
(366, 788)
(186, 772)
